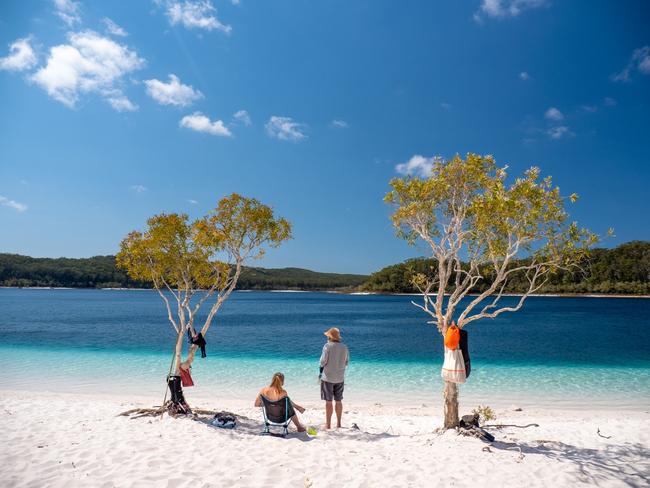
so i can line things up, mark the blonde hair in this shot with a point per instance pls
(277, 382)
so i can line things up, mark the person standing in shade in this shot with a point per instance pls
(333, 361)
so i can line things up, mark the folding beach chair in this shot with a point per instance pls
(277, 414)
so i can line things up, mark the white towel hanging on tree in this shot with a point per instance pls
(453, 369)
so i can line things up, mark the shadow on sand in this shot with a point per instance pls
(251, 427)
(628, 463)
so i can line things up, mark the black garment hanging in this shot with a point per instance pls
(200, 341)
(464, 348)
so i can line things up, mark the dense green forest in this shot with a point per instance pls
(100, 272)
(622, 270)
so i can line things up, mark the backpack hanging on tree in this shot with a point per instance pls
(453, 369)
(452, 337)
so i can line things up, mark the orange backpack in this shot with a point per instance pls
(452, 337)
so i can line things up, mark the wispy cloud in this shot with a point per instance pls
(524, 76)
(285, 129)
(193, 202)
(590, 108)
(417, 166)
(338, 124)
(194, 14)
(559, 132)
(173, 92)
(243, 117)
(69, 11)
(18, 207)
(445, 106)
(640, 61)
(200, 123)
(138, 188)
(121, 103)
(609, 102)
(501, 9)
(114, 29)
(554, 114)
(90, 63)
(21, 56)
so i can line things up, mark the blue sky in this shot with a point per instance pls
(114, 111)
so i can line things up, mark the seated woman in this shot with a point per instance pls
(275, 392)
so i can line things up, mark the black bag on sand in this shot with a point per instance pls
(483, 434)
(179, 406)
(468, 421)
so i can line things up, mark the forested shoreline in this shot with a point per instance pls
(100, 272)
(624, 270)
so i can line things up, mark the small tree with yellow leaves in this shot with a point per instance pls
(195, 263)
(478, 228)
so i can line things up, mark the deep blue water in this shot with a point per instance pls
(83, 337)
(572, 331)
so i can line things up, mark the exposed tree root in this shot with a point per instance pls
(603, 436)
(135, 413)
(499, 426)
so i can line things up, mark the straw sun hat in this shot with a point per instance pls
(333, 334)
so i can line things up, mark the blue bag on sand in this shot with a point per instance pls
(224, 420)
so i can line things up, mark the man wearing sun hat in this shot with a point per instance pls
(333, 361)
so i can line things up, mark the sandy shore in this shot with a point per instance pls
(69, 440)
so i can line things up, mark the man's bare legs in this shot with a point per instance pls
(329, 410)
(339, 413)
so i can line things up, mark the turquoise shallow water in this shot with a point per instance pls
(570, 352)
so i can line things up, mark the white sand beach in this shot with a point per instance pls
(68, 440)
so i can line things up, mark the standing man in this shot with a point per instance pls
(333, 361)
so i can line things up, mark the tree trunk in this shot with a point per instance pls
(451, 405)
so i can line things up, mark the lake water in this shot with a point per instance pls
(569, 352)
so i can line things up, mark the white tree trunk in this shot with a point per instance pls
(451, 405)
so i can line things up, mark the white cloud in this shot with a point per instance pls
(559, 132)
(505, 8)
(138, 188)
(243, 117)
(68, 11)
(554, 114)
(122, 104)
(339, 124)
(113, 28)
(21, 56)
(524, 76)
(235, 2)
(172, 93)
(90, 63)
(417, 166)
(193, 202)
(285, 129)
(590, 108)
(609, 102)
(200, 123)
(445, 106)
(640, 62)
(195, 14)
(6, 202)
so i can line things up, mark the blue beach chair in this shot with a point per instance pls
(277, 414)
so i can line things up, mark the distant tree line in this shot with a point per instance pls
(622, 270)
(101, 272)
